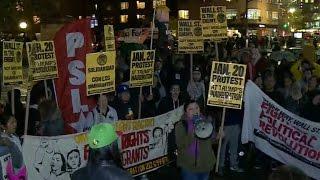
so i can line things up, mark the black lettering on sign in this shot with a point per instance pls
(220, 68)
(238, 70)
(150, 55)
(48, 46)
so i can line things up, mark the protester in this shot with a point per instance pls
(178, 74)
(232, 130)
(311, 110)
(195, 156)
(124, 105)
(18, 109)
(37, 95)
(196, 88)
(103, 112)
(269, 82)
(104, 157)
(149, 98)
(51, 120)
(10, 140)
(246, 58)
(173, 101)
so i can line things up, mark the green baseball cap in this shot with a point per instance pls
(101, 135)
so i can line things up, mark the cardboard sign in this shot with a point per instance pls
(12, 63)
(226, 85)
(100, 72)
(42, 60)
(109, 38)
(214, 22)
(142, 68)
(190, 36)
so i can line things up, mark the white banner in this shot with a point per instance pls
(144, 142)
(55, 158)
(279, 133)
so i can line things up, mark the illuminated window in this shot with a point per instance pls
(228, 0)
(141, 5)
(275, 15)
(139, 16)
(269, 14)
(306, 1)
(124, 18)
(183, 14)
(231, 13)
(124, 5)
(254, 13)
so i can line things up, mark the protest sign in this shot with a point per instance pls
(137, 35)
(214, 22)
(279, 133)
(142, 68)
(12, 63)
(72, 43)
(109, 38)
(190, 36)
(42, 60)
(226, 85)
(55, 157)
(144, 142)
(100, 72)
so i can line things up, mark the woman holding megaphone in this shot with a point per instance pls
(194, 138)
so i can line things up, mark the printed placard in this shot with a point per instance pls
(190, 36)
(12, 63)
(100, 72)
(109, 38)
(226, 85)
(214, 22)
(42, 60)
(142, 68)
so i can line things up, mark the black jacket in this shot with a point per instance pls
(104, 171)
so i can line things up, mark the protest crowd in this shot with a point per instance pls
(291, 83)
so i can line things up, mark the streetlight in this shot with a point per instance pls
(292, 10)
(23, 25)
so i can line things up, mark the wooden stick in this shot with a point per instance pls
(220, 138)
(55, 93)
(12, 102)
(26, 118)
(217, 50)
(151, 41)
(140, 103)
(191, 67)
(46, 88)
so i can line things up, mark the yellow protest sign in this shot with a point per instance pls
(109, 38)
(214, 22)
(190, 36)
(226, 85)
(12, 63)
(100, 72)
(142, 68)
(42, 60)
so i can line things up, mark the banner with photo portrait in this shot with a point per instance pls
(100, 72)
(214, 22)
(55, 157)
(142, 68)
(144, 142)
(42, 60)
(12, 72)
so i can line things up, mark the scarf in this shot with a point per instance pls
(193, 148)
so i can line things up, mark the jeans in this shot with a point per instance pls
(187, 175)
(232, 134)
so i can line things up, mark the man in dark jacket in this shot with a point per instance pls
(103, 163)
(123, 105)
(173, 101)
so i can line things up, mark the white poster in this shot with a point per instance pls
(4, 163)
(282, 135)
(55, 158)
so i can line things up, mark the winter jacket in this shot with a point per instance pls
(200, 162)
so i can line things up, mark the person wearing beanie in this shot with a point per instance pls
(196, 88)
(104, 161)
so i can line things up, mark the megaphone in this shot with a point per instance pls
(203, 128)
